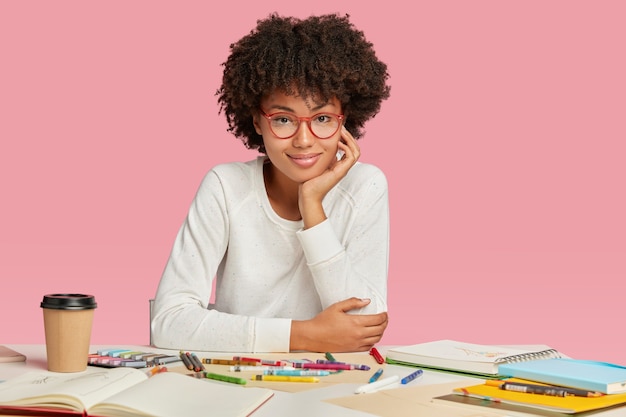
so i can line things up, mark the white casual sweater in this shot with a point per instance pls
(268, 270)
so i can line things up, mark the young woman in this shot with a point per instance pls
(297, 239)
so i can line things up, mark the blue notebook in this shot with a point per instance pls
(602, 377)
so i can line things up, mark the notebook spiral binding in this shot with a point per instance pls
(523, 357)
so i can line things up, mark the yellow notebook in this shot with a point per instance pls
(569, 404)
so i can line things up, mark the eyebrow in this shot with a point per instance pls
(290, 110)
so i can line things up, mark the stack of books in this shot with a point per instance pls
(520, 381)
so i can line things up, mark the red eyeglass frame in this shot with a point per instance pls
(268, 117)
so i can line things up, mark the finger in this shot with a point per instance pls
(344, 150)
(347, 136)
(352, 303)
(376, 328)
(369, 335)
(350, 142)
(370, 340)
(372, 320)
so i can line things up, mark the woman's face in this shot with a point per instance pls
(304, 155)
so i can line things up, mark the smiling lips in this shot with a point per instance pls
(305, 161)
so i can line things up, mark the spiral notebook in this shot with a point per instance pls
(467, 358)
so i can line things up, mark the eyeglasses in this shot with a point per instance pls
(285, 125)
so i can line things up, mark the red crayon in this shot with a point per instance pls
(377, 356)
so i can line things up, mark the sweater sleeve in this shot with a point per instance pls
(353, 263)
(182, 317)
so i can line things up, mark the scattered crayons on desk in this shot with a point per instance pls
(303, 367)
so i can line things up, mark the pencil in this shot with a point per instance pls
(543, 389)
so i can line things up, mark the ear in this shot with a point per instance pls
(256, 121)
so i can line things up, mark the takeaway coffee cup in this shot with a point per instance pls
(67, 322)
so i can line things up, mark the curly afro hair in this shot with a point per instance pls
(320, 56)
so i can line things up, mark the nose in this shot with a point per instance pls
(303, 138)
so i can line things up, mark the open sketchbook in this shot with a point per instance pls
(125, 392)
(469, 358)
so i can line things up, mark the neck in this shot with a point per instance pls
(282, 193)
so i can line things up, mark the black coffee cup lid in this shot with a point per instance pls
(69, 301)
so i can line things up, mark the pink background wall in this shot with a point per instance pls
(503, 141)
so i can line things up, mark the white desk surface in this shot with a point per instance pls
(308, 403)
